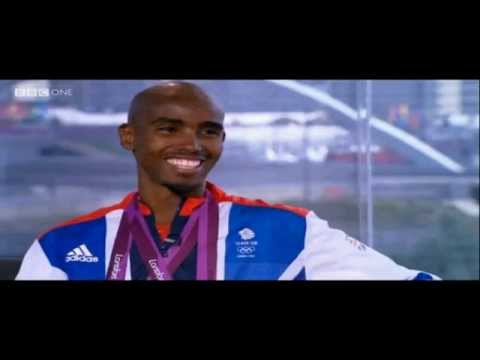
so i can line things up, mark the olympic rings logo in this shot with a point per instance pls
(246, 250)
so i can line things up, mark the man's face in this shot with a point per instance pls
(176, 144)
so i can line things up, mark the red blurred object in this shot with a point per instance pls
(13, 111)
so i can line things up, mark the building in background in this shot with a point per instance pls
(428, 99)
(470, 97)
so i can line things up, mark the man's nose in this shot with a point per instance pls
(191, 141)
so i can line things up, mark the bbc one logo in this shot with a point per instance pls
(39, 92)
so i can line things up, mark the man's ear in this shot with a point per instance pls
(126, 134)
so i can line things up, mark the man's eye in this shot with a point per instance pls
(166, 129)
(212, 132)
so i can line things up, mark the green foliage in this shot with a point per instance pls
(452, 249)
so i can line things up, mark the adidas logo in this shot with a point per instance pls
(81, 254)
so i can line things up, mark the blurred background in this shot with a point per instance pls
(393, 163)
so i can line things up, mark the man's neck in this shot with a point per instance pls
(162, 201)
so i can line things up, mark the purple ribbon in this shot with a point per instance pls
(201, 228)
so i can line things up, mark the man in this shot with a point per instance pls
(179, 226)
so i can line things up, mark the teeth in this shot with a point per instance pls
(183, 163)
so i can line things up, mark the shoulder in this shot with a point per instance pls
(259, 204)
(84, 222)
(256, 205)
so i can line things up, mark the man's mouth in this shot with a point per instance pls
(185, 165)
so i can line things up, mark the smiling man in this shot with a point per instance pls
(176, 135)
(178, 226)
